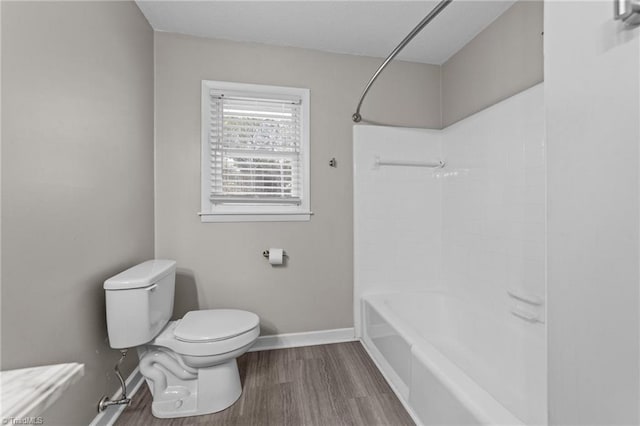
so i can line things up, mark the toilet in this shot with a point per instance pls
(189, 364)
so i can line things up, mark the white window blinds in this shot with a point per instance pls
(255, 148)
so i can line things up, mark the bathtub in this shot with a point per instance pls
(453, 363)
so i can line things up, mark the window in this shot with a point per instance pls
(255, 153)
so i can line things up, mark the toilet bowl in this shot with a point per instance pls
(205, 345)
(189, 364)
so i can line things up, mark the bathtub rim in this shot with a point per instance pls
(480, 403)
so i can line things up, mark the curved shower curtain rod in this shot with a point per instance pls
(434, 12)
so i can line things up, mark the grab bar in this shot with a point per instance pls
(526, 298)
(356, 117)
(433, 164)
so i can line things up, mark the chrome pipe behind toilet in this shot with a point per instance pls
(105, 401)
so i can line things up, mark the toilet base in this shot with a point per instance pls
(215, 389)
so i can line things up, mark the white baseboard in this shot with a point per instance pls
(109, 416)
(309, 338)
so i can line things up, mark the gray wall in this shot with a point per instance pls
(221, 265)
(592, 101)
(77, 183)
(504, 59)
(77, 176)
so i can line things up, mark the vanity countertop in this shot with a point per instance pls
(27, 392)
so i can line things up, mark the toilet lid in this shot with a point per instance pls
(214, 324)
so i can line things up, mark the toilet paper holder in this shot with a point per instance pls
(266, 254)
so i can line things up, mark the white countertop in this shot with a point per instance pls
(27, 392)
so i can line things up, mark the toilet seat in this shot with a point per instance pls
(168, 339)
(213, 325)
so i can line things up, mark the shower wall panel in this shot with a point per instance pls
(493, 205)
(493, 230)
(397, 212)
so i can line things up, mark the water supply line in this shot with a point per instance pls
(434, 12)
(105, 401)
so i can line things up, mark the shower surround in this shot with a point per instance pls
(450, 263)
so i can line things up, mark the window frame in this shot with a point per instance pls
(263, 211)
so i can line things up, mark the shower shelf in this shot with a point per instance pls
(526, 298)
(432, 164)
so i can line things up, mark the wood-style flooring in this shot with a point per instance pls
(323, 385)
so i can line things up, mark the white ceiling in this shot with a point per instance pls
(370, 28)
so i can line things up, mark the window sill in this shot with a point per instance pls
(257, 217)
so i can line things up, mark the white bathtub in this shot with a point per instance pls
(452, 363)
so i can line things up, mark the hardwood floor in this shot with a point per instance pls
(317, 385)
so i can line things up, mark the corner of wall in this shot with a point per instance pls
(474, 81)
(441, 101)
(155, 150)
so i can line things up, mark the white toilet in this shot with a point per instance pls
(189, 364)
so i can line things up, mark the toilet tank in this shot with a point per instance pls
(139, 302)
